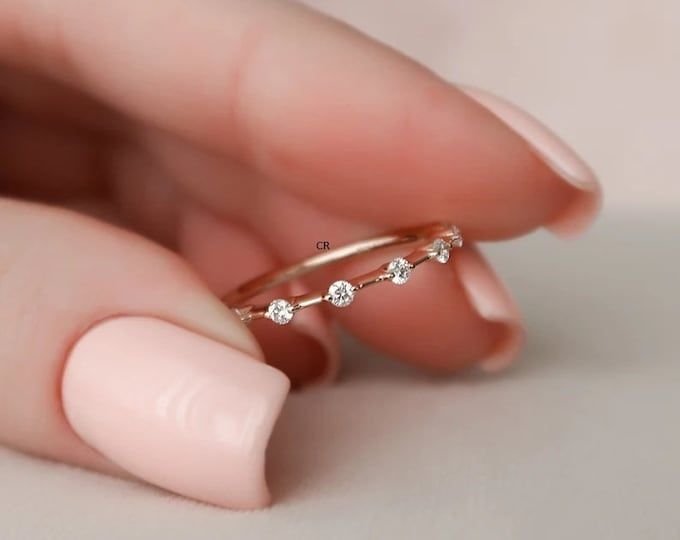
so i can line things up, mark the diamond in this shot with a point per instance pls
(400, 269)
(456, 237)
(280, 311)
(440, 250)
(341, 293)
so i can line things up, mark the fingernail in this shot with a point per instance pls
(492, 302)
(586, 202)
(174, 408)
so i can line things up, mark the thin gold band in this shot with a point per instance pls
(434, 241)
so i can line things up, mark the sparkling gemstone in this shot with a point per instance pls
(440, 249)
(280, 311)
(341, 293)
(400, 269)
(456, 238)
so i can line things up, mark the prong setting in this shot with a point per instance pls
(456, 238)
(440, 250)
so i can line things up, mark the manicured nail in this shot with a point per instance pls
(174, 408)
(584, 206)
(492, 301)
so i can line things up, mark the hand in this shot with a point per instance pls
(214, 140)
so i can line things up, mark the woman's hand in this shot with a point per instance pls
(237, 134)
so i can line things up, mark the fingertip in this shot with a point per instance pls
(578, 210)
(174, 408)
(493, 303)
(446, 318)
(125, 357)
(316, 327)
(579, 214)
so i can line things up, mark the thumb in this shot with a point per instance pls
(114, 356)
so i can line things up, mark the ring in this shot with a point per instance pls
(432, 242)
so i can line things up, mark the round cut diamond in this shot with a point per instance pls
(441, 250)
(341, 293)
(280, 311)
(400, 269)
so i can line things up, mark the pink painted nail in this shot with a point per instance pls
(492, 301)
(580, 213)
(174, 408)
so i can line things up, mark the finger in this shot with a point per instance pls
(444, 300)
(224, 253)
(44, 100)
(150, 204)
(120, 360)
(446, 317)
(300, 98)
(227, 254)
(144, 195)
(41, 161)
(584, 203)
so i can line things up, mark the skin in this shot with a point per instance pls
(217, 139)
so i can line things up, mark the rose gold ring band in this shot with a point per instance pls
(431, 242)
